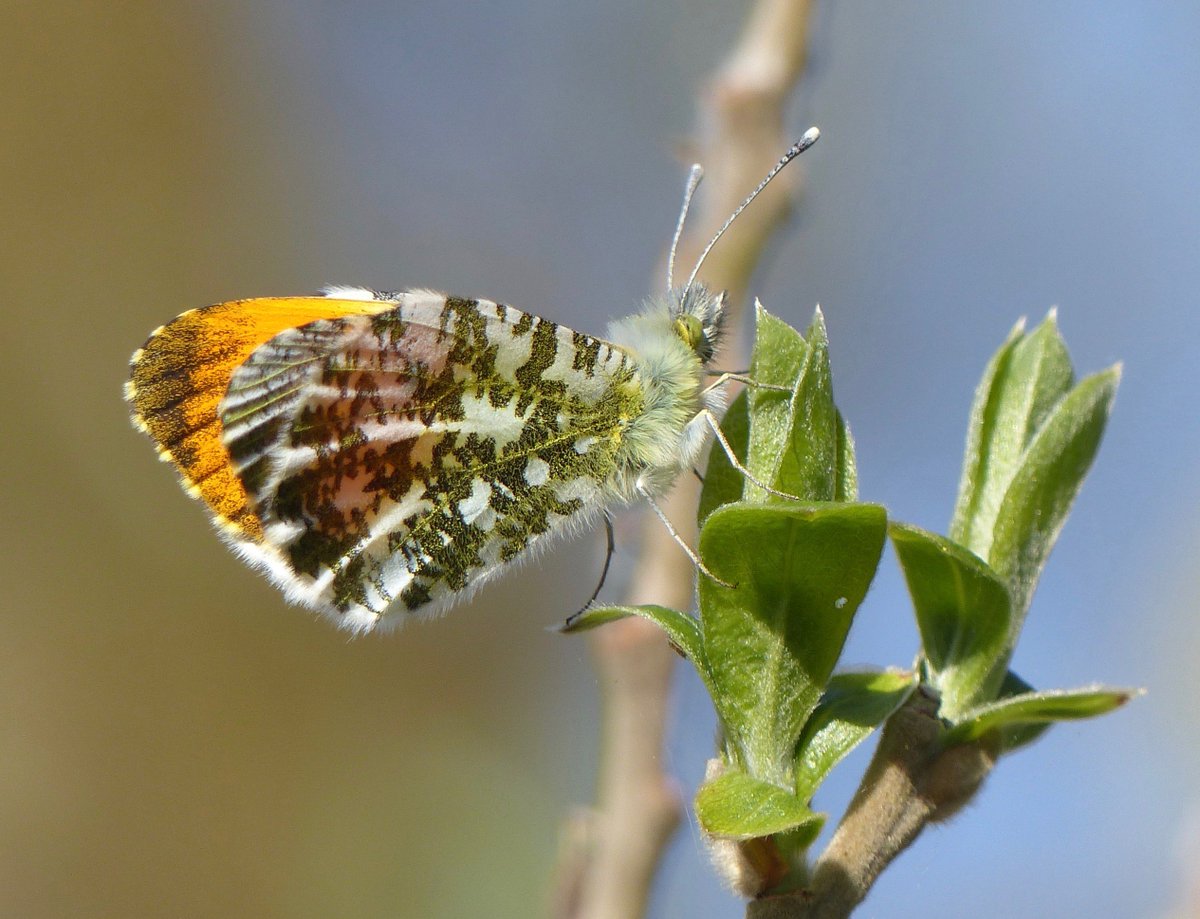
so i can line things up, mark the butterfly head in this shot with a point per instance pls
(698, 316)
(696, 311)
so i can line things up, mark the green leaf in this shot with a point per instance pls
(809, 465)
(780, 358)
(785, 429)
(980, 433)
(847, 470)
(737, 806)
(1015, 736)
(771, 642)
(683, 631)
(1038, 708)
(798, 442)
(723, 484)
(1022, 383)
(963, 613)
(853, 705)
(1042, 490)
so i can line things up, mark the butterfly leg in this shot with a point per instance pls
(610, 549)
(691, 553)
(608, 556)
(740, 376)
(735, 462)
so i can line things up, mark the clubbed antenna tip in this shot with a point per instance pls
(807, 140)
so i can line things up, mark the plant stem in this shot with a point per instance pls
(637, 804)
(913, 780)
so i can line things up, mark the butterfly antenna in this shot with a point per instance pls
(694, 177)
(809, 138)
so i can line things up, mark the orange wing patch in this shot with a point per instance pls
(179, 377)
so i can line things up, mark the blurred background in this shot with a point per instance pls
(174, 741)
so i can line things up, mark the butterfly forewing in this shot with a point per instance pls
(394, 460)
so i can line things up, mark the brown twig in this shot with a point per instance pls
(913, 780)
(638, 807)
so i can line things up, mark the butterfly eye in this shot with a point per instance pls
(690, 330)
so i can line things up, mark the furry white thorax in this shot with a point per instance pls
(671, 431)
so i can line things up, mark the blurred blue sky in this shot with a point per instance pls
(979, 162)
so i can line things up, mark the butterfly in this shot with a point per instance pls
(380, 455)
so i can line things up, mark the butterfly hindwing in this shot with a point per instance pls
(395, 459)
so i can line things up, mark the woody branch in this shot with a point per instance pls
(607, 872)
